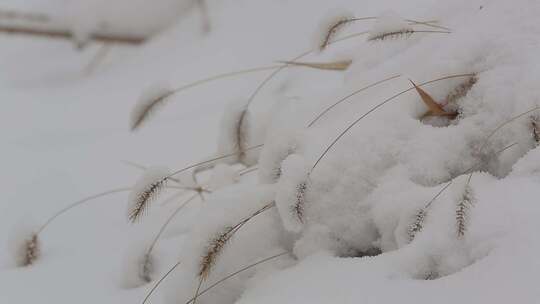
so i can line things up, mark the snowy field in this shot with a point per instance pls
(343, 181)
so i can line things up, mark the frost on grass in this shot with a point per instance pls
(291, 193)
(151, 99)
(145, 191)
(24, 244)
(389, 25)
(235, 134)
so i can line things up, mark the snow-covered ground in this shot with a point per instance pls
(342, 222)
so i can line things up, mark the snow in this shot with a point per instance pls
(66, 135)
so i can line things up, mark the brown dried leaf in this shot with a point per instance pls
(434, 109)
(340, 65)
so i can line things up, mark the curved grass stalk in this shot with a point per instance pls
(168, 221)
(236, 273)
(160, 281)
(354, 123)
(80, 202)
(312, 122)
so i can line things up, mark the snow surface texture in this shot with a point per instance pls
(360, 238)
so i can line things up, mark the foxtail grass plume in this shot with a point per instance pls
(234, 133)
(535, 126)
(139, 266)
(390, 25)
(421, 214)
(213, 250)
(24, 244)
(217, 244)
(331, 26)
(245, 268)
(463, 206)
(461, 90)
(151, 99)
(146, 268)
(145, 191)
(418, 224)
(299, 205)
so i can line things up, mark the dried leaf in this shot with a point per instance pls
(434, 109)
(332, 66)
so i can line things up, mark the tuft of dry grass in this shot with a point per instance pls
(340, 65)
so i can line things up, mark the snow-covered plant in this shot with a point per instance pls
(234, 132)
(217, 244)
(419, 218)
(376, 107)
(460, 90)
(463, 205)
(139, 267)
(418, 223)
(389, 25)
(291, 193)
(535, 127)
